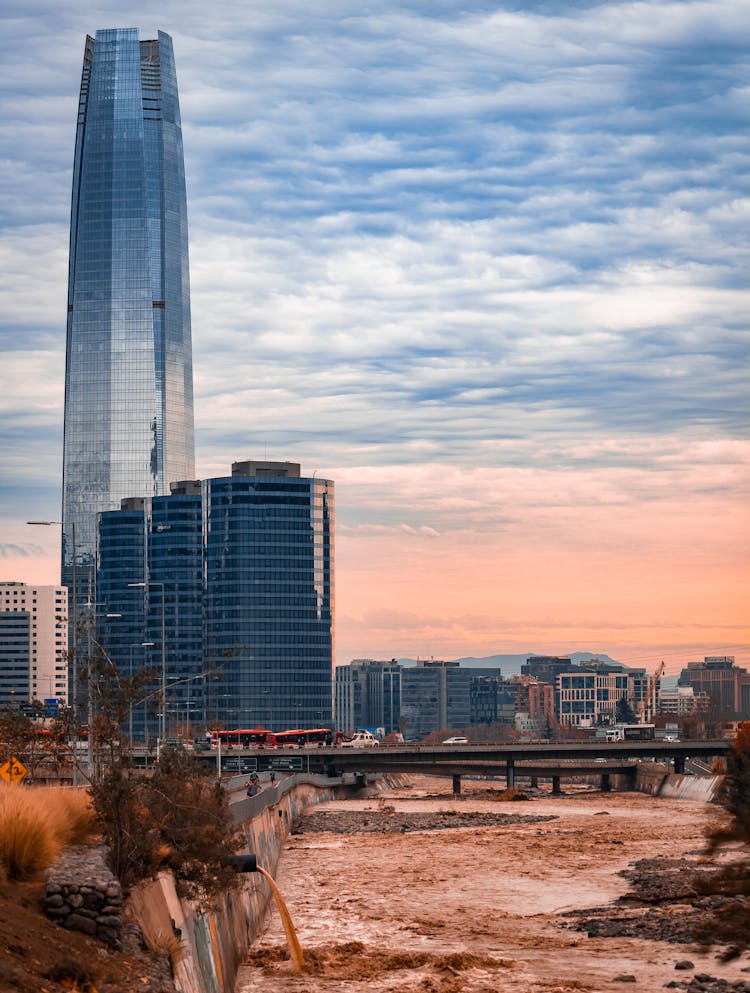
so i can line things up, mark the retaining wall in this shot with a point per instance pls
(657, 781)
(650, 778)
(698, 788)
(206, 946)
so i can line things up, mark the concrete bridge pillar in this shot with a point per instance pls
(510, 773)
(457, 786)
(534, 782)
(556, 785)
(679, 764)
(606, 784)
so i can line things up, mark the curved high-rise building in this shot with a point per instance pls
(226, 588)
(128, 380)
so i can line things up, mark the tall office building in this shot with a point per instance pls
(234, 576)
(128, 379)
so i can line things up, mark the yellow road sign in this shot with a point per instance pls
(13, 771)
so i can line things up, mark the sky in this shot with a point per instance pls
(485, 265)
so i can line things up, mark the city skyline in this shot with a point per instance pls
(481, 265)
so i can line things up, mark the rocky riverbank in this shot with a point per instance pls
(666, 901)
(388, 820)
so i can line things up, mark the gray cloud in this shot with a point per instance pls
(420, 232)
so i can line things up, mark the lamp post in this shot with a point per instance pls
(163, 721)
(138, 644)
(178, 682)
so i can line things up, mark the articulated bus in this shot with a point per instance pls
(244, 738)
(261, 738)
(304, 738)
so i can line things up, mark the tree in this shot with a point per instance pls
(624, 713)
(732, 881)
(16, 734)
(177, 819)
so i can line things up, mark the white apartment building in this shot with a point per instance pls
(33, 643)
(683, 701)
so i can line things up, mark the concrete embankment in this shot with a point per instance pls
(698, 788)
(657, 781)
(207, 945)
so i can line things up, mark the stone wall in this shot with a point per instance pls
(81, 894)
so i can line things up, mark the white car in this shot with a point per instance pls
(457, 739)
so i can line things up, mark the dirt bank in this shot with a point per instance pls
(480, 907)
(38, 956)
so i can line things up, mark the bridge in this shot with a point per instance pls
(534, 760)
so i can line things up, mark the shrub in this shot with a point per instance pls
(36, 822)
(70, 812)
(177, 819)
(28, 842)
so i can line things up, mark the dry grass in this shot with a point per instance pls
(35, 823)
(71, 812)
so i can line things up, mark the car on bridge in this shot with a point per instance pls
(456, 739)
(360, 739)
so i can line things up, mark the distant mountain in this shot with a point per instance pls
(511, 664)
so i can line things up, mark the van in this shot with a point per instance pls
(361, 739)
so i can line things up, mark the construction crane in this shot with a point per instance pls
(647, 706)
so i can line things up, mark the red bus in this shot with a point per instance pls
(244, 738)
(304, 738)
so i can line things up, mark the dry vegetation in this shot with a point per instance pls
(36, 823)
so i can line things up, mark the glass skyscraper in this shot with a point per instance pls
(239, 573)
(128, 380)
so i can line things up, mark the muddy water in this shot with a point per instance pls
(474, 909)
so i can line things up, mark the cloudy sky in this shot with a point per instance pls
(483, 264)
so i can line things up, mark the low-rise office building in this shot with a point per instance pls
(590, 694)
(33, 644)
(367, 694)
(725, 684)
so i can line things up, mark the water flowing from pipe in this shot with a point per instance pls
(295, 949)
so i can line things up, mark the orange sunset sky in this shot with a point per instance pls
(482, 264)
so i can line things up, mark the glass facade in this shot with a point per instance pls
(270, 599)
(128, 381)
(367, 694)
(243, 569)
(150, 561)
(15, 658)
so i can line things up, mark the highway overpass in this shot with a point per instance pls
(543, 760)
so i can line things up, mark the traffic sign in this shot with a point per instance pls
(291, 762)
(13, 771)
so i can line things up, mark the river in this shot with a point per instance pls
(474, 909)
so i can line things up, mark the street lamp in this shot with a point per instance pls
(138, 644)
(163, 722)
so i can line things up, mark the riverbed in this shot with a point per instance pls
(477, 908)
